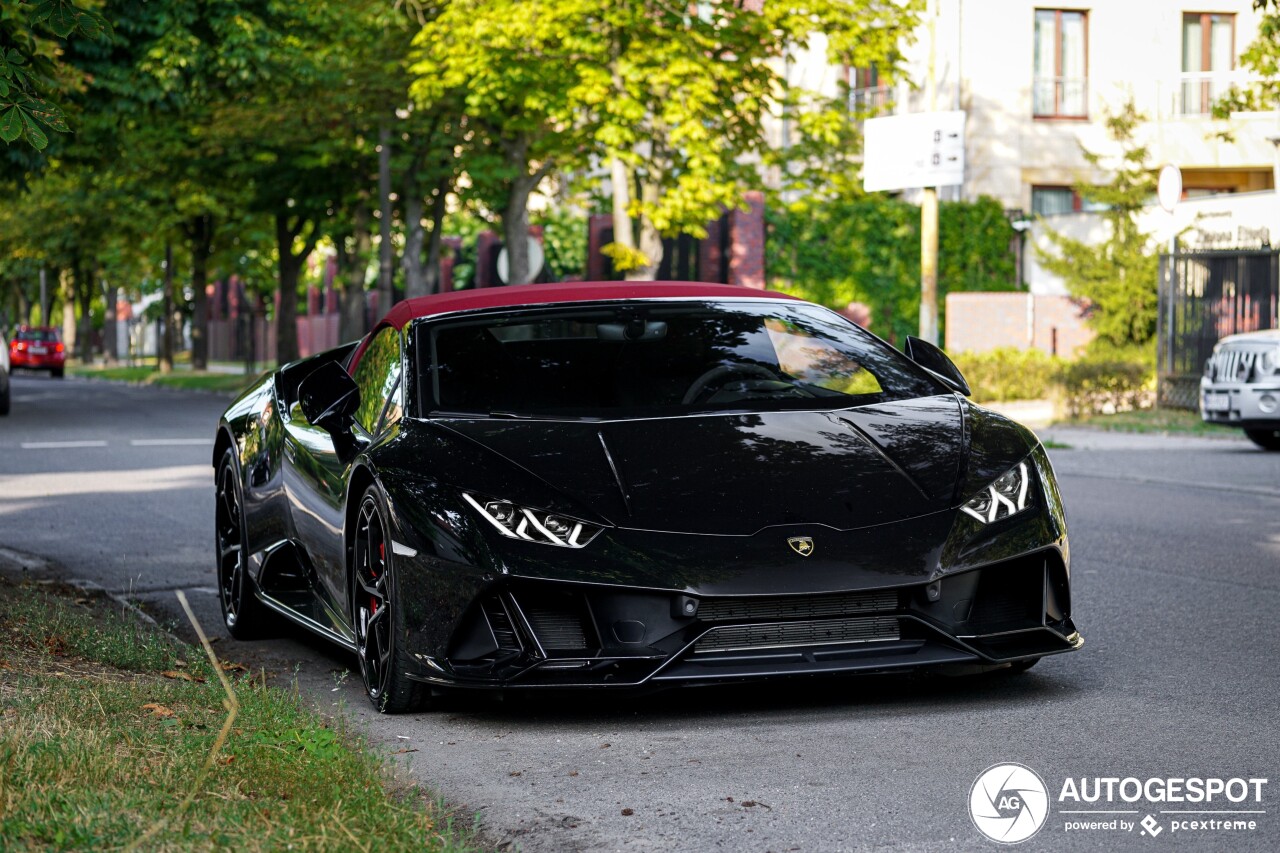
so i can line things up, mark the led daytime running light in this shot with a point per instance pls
(1005, 497)
(532, 525)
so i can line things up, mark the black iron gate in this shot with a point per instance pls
(1204, 296)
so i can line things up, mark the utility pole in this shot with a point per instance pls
(929, 205)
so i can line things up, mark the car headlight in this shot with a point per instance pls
(532, 525)
(1005, 497)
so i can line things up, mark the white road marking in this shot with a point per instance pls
(59, 445)
(169, 442)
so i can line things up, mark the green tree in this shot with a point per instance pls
(686, 101)
(1118, 277)
(517, 66)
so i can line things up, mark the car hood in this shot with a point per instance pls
(735, 474)
(1264, 337)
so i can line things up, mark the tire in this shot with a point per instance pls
(56, 372)
(1267, 439)
(5, 400)
(244, 617)
(374, 615)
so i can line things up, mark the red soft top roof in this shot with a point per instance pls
(545, 294)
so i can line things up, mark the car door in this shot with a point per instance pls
(316, 474)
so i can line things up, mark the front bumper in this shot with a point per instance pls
(1253, 405)
(522, 633)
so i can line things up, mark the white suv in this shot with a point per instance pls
(1241, 386)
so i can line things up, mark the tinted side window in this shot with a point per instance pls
(377, 374)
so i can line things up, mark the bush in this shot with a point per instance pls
(1008, 374)
(1094, 385)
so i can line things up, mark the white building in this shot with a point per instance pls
(1037, 81)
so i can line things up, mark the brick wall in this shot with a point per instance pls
(746, 243)
(978, 322)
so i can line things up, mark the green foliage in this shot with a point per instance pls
(1117, 276)
(33, 76)
(1262, 59)
(564, 242)
(1009, 374)
(867, 249)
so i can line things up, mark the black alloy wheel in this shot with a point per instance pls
(1267, 439)
(382, 660)
(243, 615)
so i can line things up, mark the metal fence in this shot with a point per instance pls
(1204, 296)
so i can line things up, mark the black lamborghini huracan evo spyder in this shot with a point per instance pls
(635, 485)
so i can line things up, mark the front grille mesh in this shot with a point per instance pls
(796, 607)
(787, 634)
(557, 629)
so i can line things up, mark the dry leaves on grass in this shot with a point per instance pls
(184, 676)
(158, 710)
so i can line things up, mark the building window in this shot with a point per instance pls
(1061, 84)
(867, 95)
(1048, 201)
(1208, 55)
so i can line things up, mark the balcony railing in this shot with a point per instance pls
(1060, 97)
(1194, 94)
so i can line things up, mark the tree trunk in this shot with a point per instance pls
(386, 254)
(165, 359)
(289, 267)
(432, 268)
(415, 280)
(515, 228)
(620, 184)
(67, 288)
(200, 232)
(84, 299)
(110, 327)
(353, 323)
(650, 239)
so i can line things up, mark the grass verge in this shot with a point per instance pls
(222, 383)
(1166, 421)
(105, 726)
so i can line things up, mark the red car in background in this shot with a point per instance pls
(38, 348)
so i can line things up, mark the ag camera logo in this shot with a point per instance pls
(1008, 803)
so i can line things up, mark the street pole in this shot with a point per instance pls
(929, 206)
(44, 298)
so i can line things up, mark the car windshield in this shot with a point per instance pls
(656, 359)
(48, 335)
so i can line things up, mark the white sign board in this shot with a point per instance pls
(915, 150)
(536, 259)
(1169, 188)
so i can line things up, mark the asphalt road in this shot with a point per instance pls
(1176, 586)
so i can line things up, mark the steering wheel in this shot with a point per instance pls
(721, 372)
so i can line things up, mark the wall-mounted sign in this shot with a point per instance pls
(915, 150)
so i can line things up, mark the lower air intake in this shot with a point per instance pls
(796, 606)
(792, 634)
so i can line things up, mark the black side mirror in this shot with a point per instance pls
(329, 398)
(936, 362)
